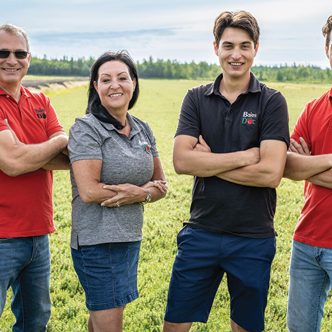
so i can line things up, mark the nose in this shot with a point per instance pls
(114, 84)
(11, 59)
(236, 53)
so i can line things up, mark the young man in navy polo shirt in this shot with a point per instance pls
(233, 137)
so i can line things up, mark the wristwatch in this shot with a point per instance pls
(148, 197)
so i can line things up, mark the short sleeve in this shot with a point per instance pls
(189, 122)
(84, 142)
(274, 125)
(53, 124)
(152, 140)
(3, 125)
(301, 126)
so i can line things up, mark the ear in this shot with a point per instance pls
(216, 48)
(95, 85)
(134, 83)
(256, 48)
(29, 59)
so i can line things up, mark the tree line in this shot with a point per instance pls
(172, 69)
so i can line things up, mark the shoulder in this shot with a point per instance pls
(87, 121)
(318, 102)
(141, 124)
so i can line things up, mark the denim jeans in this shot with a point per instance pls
(310, 282)
(25, 267)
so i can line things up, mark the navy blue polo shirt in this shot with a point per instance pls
(256, 115)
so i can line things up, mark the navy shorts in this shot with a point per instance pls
(202, 259)
(108, 273)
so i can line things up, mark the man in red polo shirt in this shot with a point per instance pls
(31, 145)
(310, 159)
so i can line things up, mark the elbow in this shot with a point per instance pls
(87, 197)
(273, 180)
(180, 167)
(12, 169)
(274, 183)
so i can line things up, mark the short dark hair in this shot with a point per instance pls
(327, 31)
(123, 56)
(241, 20)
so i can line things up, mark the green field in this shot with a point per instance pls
(159, 104)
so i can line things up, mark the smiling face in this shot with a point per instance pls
(114, 86)
(236, 52)
(12, 70)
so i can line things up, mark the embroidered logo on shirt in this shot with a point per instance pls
(41, 114)
(249, 118)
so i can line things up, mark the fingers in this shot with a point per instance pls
(301, 148)
(304, 145)
(160, 185)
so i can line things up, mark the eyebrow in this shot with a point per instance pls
(247, 42)
(106, 74)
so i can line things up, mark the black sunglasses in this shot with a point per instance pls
(18, 54)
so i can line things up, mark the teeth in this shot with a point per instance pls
(11, 69)
(116, 94)
(236, 63)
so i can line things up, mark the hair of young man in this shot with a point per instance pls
(16, 31)
(327, 31)
(240, 20)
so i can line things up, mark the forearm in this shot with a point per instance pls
(267, 172)
(323, 179)
(257, 175)
(25, 158)
(205, 164)
(301, 167)
(59, 162)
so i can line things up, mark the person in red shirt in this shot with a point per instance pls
(310, 159)
(31, 145)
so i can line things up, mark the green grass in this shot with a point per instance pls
(159, 105)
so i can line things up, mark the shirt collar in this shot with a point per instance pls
(134, 128)
(254, 85)
(330, 94)
(22, 90)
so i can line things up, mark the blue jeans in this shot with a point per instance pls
(25, 267)
(310, 282)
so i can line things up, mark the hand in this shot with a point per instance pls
(253, 155)
(16, 140)
(300, 148)
(125, 194)
(161, 185)
(201, 145)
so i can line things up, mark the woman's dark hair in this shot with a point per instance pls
(241, 20)
(123, 56)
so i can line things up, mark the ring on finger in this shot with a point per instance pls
(117, 204)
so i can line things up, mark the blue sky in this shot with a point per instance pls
(172, 29)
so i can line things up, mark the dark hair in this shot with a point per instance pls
(327, 30)
(241, 20)
(123, 56)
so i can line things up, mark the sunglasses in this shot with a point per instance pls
(18, 54)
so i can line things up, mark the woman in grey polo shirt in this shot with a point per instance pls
(115, 169)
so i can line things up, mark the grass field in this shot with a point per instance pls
(159, 104)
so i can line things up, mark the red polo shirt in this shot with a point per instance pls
(26, 200)
(315, 126)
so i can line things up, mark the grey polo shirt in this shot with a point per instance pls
(125, 160)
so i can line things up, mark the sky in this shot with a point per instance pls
(171, 29)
